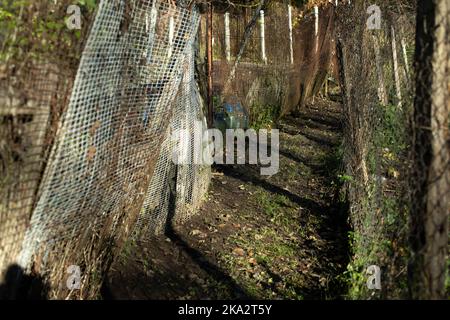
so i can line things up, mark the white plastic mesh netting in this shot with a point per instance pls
(176, 190)
(112, 157)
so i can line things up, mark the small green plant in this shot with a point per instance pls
(344, 178)
(263, 116)
(391, 130)
(90, 5)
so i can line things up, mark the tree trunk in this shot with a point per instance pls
(430, 183)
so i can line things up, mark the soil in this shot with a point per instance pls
(277, 237)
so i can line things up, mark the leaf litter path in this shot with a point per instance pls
(278, 237)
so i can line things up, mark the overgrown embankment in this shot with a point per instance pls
(378, 212)
(377, 99)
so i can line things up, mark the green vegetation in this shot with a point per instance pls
(263, 116)
(260, 116)
(89, 5)
(27, 34)
(278, 208)
(268, 254)
(270, 251)
(380, 212)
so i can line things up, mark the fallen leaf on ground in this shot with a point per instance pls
(239, 251)
(196, 232)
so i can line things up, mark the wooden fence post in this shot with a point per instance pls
(291, 40)
(209, 49)
(382, 93)
(227, 37)
(263, 37)
(150, 22)
(396, 73)
(316, 26)
(405, 57)
(171, 35)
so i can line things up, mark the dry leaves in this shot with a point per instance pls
(239, 252)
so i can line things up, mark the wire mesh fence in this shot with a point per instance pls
(177, 189)
(387, 175)
(35, 82)
(86, 153)
(109, 165)
(271, 61)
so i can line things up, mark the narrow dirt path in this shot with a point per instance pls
(279, 237)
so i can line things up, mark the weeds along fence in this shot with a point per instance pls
(109, 174)
(395, 148)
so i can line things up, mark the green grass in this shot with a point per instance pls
(278, 208)
(271, 254)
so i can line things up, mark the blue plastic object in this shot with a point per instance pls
(231, 116)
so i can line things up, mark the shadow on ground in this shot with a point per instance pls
(17, 285)
(278, 237)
